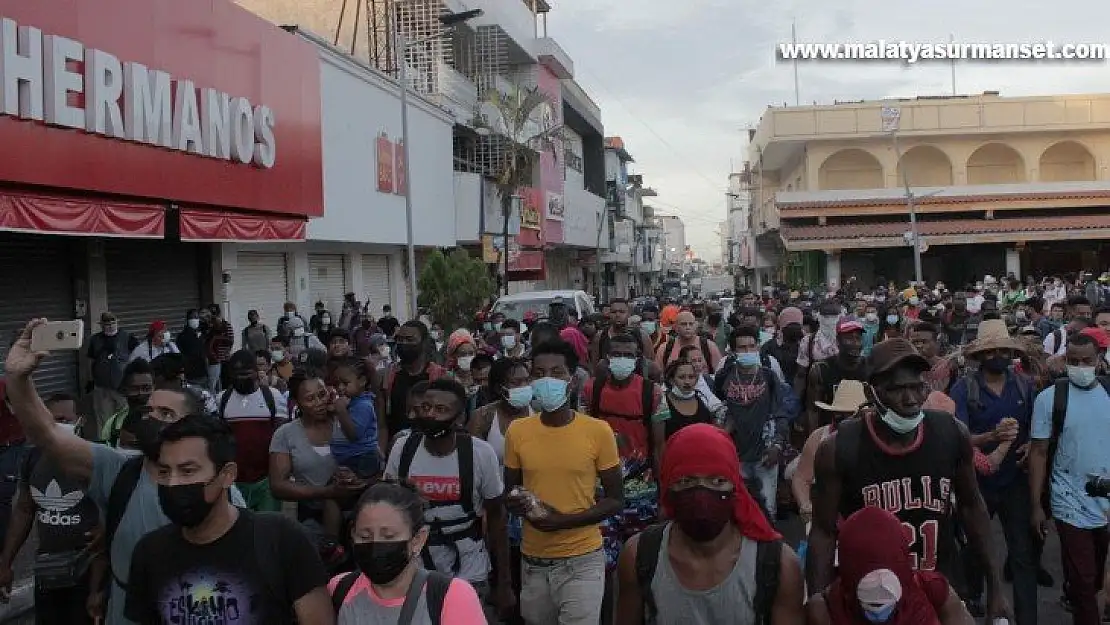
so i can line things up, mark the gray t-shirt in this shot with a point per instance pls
(312, 464)
(142, 515)
(438, 479)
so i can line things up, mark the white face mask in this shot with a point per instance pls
(828, 324)
(298, 332)
(872, 317)
(289, 314)
(464, 362)
(194, 323)
(166, 337)
(67, 427)
(383, 351)
(508, 341)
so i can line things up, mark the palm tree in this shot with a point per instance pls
(526, 119)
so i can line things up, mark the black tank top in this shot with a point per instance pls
(915, 487)
(832, 374)
(679, 420)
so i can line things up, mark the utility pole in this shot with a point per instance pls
(891, 117)
(952, 61)
(598, 277)
(794, 40)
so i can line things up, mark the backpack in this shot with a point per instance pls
(974, 395)
(704, 345)
(647, 401)
(267, 396)
(434, 596)
(768, 559)
(730, 365)
(436, 535)
(1059, 414)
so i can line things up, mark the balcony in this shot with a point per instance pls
(554, 58)
(514, 19)
(468, 207)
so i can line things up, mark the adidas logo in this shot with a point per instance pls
(54, 500)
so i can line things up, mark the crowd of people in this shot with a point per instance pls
(626, 467)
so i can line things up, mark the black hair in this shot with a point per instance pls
(714, 318)
(280, 339)
(297, 380)
(168, 366)
(191, 313)
(265, 355)
(214, 430)
(449, 385)
(627, 338)
(1103, 310)
(1078, 300)
(338, 333)
(57, 397)
(672, 369)
(687, 349)
(618, 300)
(399, 494)
(741, 331)
(139, 366)
(923, 326)
(253, 312)
(481, 361)
(215, 310)
(195, 402)
(421, 329)
(1083, 339)
(543, 331)
(510, 324)
(1035, 303)
(557, 347)
(357, 366)
(242, 359)
(1059, 305)
(499, 374)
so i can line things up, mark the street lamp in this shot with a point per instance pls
(448, 19)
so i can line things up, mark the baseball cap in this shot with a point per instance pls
(849, 325)
(891, 353)
(107, 317)
(1099, 335)
(879, 589)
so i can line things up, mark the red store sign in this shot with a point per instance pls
(198, 103)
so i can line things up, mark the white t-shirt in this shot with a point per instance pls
(438, 479)
(1059, 338)
(253, 406)
(148, 351)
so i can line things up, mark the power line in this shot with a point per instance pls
(716, 186)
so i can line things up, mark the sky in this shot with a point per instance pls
(682, 81)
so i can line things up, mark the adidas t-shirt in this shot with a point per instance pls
(438, 479)
(63, 511)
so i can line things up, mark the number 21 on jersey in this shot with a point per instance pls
(924, 554)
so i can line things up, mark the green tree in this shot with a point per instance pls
(527, 118)
(454, 287)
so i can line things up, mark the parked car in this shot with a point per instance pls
(518, 305)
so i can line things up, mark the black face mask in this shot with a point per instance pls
(998, 364)
(433, 428)
(135, 402)
(184, 504)
(244, 386)
(408, 352)
(792, 333)
(147, 433)
(382, 562)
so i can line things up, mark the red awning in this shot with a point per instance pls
(35, 212)
(213, 226)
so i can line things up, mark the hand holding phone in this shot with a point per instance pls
(54, 336)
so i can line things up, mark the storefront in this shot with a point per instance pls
(358, 246)
(136, 153)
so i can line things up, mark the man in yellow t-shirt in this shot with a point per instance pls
(558, 456)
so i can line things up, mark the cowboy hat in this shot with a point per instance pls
(848, 398)
(993, 334)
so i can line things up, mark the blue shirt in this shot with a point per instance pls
(1083, 449)
(365, 417)
(983, 418)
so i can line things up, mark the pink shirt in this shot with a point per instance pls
(363, 606)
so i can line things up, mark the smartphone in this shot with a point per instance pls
(55, 336)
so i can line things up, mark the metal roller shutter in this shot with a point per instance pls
(261, 284)
(376, 284)
(37, 274)
(327, 280)
(150, 280)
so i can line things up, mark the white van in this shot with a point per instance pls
(539, 302)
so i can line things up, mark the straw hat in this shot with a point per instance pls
(993, 334)
(848, 398)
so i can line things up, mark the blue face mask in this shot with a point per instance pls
(748, 359)
(622, 367)
(551, 393)
(881, 615)
(649, 326)
(892, 319)
(520, 396)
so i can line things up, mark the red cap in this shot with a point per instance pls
(849, 325)
(157, 327)
(1099, 335)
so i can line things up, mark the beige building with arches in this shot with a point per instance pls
(1001, 185)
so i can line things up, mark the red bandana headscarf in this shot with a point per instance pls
(701, 449)
(872, 539)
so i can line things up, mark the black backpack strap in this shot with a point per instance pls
(412, 598)
(342, 589)
(595, 399)
(722, 378)
(408, 452)
(667, 351)
(768, 561)
(648, 547)
(974, 402)
(225, 399)
(122, 488)
(706, 353)
(1059, 414)
(435, 595)
(271, 405)
(465, 446)
(647, 398)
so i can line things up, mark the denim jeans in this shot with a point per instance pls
(1014, 510)
(763, 482)
(565, 591)
(214, 385)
